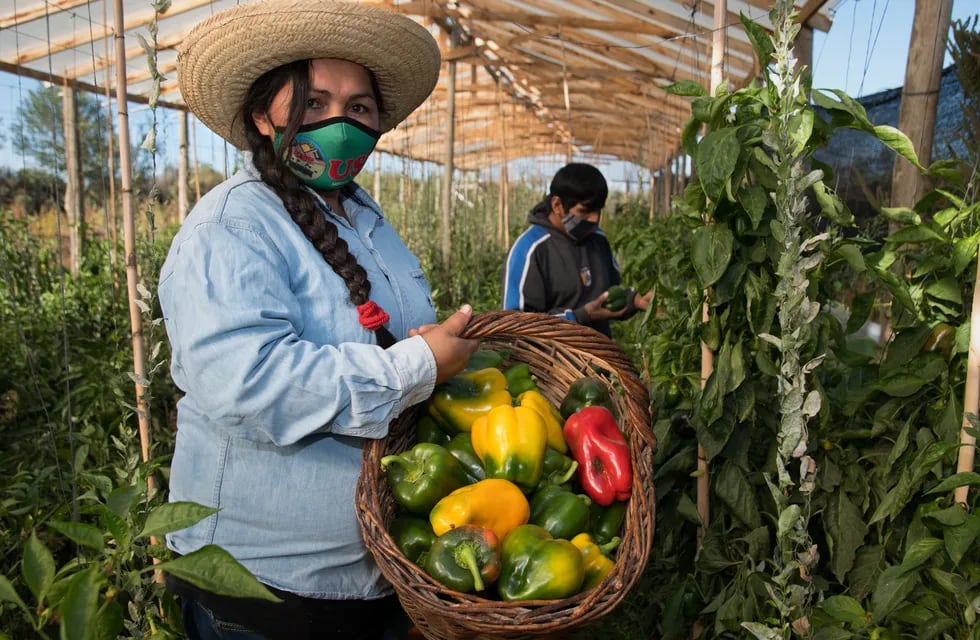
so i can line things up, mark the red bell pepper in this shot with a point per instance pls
(602, 453)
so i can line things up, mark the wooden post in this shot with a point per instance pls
(448, 166)
(129, 239)
(668, 181)
(183, 201)
(653, 196)
(376, 158)
(920, 95)
(74, 189)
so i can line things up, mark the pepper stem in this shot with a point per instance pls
(408, 465)
(565, 477)
(465, 557)
(609, 546)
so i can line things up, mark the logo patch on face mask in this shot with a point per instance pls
(306, 161)
(329, 154)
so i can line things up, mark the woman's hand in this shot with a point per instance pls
(451, 351)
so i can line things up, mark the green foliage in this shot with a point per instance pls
(871, 484)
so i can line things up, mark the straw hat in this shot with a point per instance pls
(223, 55)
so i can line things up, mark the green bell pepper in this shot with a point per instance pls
(616, 300)
(560, 512)
(422, 476)
(413, 536)
(536, 566)
(605, 523)
(557, 469)
(519, 379)
(484, 359)
(466, 558)
(426, 430)
(458, 402)
(461, 446)
(585, 392)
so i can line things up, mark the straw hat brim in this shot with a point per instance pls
(223, 55)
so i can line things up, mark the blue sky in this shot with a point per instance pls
(863, 53)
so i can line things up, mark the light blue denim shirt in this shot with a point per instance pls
(282, 384)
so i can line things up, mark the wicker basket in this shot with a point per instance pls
(558, 352)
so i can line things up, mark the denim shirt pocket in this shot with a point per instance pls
(421, 306)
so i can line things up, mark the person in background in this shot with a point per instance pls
(300, 323)
(562, 264)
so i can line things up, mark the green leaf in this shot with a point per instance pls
(686, 88)
(961, 479)
(920, 233)
(897, 142)
(960, 539)
(737, 494)
(919, 552)
(800, 127)
(861, 308)
(715, 159)
(688, 510)
(831, 206)
(759, 38)
(80, 533)
(846, 531)
(711, 251)
(891, 589)
(901, 215)
(79, 607)
(37, 567)
(173, 516)
(116, 527)
(901, 384)
(9, 594)
(753, 199)
(952, 516)
(122, 499)
(109, 621)
(844, 104)
(845, 609)
(947, 289)
(213, 569)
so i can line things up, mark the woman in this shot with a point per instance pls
(300, 323)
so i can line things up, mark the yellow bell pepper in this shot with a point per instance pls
(495, 504)
(458, 402)
(511, 442)
(552, 419)
(596, 563)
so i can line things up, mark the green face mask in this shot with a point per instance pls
(329, 153)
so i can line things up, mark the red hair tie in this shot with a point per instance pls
(371, 316)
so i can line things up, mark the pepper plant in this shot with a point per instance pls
(832, 455)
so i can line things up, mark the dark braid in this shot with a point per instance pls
(299, 202)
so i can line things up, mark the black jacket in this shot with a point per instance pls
(547, 271)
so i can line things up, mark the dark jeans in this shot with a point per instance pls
(380, 620)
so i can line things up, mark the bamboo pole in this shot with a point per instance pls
(129, 240)
(971, 396)
(183, 201)
(447, 178)
(74, 192)
(707, 356)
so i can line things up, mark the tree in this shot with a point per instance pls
(41, 136)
